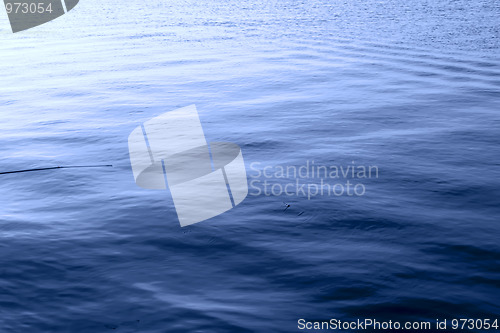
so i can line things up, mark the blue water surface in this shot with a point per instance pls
(411, 87)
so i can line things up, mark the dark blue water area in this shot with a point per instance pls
(410, 89)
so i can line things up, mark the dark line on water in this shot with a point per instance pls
(57, 167)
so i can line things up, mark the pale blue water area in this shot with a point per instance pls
(409, 86)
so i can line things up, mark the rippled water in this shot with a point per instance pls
(411, 87)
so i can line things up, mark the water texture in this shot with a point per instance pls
(411, 87)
